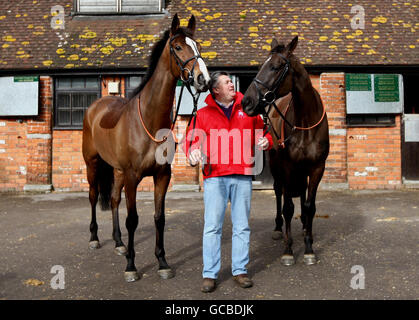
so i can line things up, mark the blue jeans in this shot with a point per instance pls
(217, 192)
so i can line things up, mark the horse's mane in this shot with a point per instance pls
(154, 58)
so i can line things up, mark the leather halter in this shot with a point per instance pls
(185, 82)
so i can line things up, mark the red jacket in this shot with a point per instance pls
(229, 145)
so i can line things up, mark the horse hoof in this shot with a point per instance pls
(94, 245)
(121, 251)
(166, 273)
(131, 276)
(287, 260)
(310, 259)
(276, 235)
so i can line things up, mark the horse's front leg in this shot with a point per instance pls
(309, 208)
(161, 183)
(120, 248)
(131, 183)
(287, 258)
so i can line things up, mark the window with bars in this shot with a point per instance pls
(73, 95)
(119, 6)
(131, 83)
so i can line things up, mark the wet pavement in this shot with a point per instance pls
(375, 232)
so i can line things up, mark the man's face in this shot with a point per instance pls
(225, 89)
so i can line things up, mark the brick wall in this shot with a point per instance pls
(374, 157)
(25, 146)
(13, 154)
(68, 169)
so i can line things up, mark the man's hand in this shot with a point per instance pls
(263, 143)
(195, 156)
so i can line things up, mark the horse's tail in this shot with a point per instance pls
(105, 183)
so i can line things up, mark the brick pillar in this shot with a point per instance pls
(332, 92)
(39, 141)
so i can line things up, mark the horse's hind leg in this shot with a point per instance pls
(161, 182)
(310, 210)
(303, 210)
(277, 233)
(288, 211)
(91, 167)
(120, 248)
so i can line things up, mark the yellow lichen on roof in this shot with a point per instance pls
(380, 19)
(107, 50)
(209, 55)
(73, 57)
(87, 34)
(9, 38)
(47, 63)
(118, 41)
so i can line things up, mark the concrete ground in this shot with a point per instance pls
(374, 231)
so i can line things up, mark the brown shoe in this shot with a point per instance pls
(208, 285)
(243, 280)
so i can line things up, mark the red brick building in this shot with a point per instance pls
(74, 51)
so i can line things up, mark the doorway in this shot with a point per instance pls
(410, 130)
(264, 180)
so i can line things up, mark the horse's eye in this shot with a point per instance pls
(274, 68)
(178, 48)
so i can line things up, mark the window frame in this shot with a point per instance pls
(128, 88)
(76, 6)
(371, 120)
(57, 91)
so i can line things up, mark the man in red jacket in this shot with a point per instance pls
(226, 141)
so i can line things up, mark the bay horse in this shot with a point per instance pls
(120, 144)
(298, 159)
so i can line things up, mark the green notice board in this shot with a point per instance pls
(25, 78)
(358, 82)
(386, 88)
(374, 93)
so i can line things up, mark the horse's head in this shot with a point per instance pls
(274, 79)
(187, 63)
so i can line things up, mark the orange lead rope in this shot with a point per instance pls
(148, 132)
(313, 126)
(281, 141)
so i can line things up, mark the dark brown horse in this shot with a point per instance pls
(301, 147)
(122, 138)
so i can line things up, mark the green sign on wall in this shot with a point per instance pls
(25, 79)
(386, 88)
(358, 82)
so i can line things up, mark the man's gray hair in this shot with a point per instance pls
(214, 79)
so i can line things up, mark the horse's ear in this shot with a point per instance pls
(292, 45)
(274, 43)
(192, 24)
(175, 24)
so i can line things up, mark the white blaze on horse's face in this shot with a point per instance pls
(201, 62)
